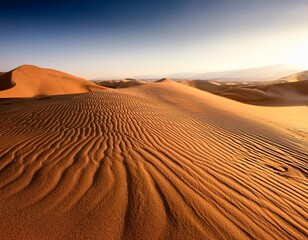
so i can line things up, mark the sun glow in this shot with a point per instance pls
(298, 55)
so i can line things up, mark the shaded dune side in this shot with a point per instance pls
(299, 87)
(150, 162)
(6, 81)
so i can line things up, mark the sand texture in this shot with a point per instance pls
(153, 161)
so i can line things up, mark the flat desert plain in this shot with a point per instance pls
(159, 160)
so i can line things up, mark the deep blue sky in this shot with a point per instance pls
(126, 38)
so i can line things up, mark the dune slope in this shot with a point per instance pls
(29, 81)
(156, 161)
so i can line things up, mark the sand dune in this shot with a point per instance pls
(301, 76)
(155, 161)
(289, 91)
(125, 83)
(29, 81)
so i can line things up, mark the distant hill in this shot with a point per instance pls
(267, 72)
(255, 74)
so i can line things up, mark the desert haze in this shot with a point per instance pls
(152, 160)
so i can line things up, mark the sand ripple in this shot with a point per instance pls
(146, 162)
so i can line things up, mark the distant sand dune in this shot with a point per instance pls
(156, 161)
(29, 81)
(301, 76)
(120, 83)
(280, 93)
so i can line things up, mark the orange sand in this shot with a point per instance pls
(29, 81)
(154, 161)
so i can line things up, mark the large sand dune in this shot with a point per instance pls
(155, 161)
(29, 81)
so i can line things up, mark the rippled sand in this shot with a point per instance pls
(154, 161)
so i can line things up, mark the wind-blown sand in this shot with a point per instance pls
(154, 161)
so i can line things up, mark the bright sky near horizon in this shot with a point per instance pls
(101, 38)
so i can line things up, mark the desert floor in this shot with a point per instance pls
(152, 161)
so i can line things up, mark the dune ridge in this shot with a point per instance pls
(155, 161)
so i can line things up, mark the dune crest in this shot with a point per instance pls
(155, 161)
(29, 81)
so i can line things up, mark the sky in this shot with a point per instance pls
(127, 38)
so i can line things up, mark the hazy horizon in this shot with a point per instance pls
(118, 38)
